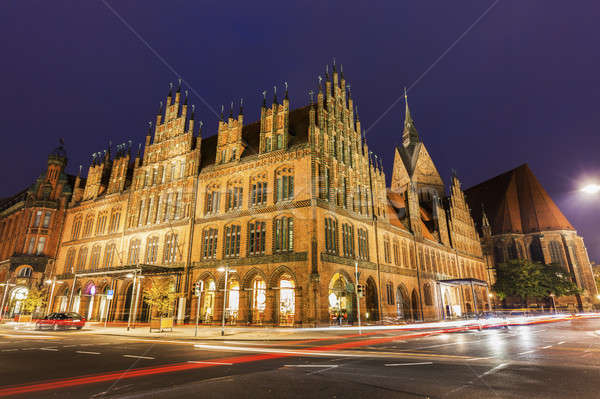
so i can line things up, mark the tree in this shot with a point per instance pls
(36, 298)
(160, 296)
(525, 279)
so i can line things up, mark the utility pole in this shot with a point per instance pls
(356, 274)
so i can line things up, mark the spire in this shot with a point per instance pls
(170, 95)
(185, 102)
(286, 90)
(241, 106)
(409, 134)
(274, 94)
(179, 87)
(264, 93)
(484, 219)
(231, 110)
(222, 110)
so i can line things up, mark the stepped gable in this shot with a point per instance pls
(298, 130)
(516, 202)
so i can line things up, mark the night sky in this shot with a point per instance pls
(522, 85)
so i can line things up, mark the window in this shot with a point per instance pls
(323, 182)
(37, 218)
(396, 253)
(279, 141)
(555, 253)
(363, 244)
(81, 258)
(46, 222)
(134, 251)
(88, 226)
(427, 295)
(213, 197)
(31, 245)
(101, 225)
(256, 238)
(76, 228)
(115, 219)
(40, 245)
(284, 184)
(152, 250)
(182, 168)
(170, 252)
(95, 257)
(348, 240)
(389, 290)
(151, 211)
(268, 144)
(334, 146)
(178, 207)
(70, 260)
(386, 250)
(232, 241)
(209, 243)
(167, 210)
(283, 235)
(405, 255)
(259, 194)
(234, 198)
(331, 236)
(25, 272)
(109, 255)
(345, 192)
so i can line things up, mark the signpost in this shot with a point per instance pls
(356, 275)
(197, 292)
(109, 296)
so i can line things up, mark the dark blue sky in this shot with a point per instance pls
(521, 86)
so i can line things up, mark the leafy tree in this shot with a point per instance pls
(525, 279)
(36, 298)
(160, 296)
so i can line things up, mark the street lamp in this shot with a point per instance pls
(226, 270)
(591, 188)
(553, 303)
(53, 283)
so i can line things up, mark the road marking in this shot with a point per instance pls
(216, 363)
(561, 342)
(88, 353)
(526, 352)
(407, 364)
(139, 357)
(547, 346)
(494, 369)
(479, 358)
(9, 350)
(311, 365)
(68, 346)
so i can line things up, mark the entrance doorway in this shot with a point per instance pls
(209, 301)
(372, 302)
(287, 301)
(340, 297)
(259, 300)
(402, 304)
(414, 305)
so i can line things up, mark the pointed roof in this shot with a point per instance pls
(409, 134)
(516, 202)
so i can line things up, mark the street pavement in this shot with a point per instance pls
(560, 359)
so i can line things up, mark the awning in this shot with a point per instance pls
(464, 281)
(142, 269)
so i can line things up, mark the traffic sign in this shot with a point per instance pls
(110, 294)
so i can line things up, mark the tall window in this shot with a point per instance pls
(256, 238)
(88, 226)
(141, 211)
(109, 255)
(386, 250)
(37, 218)
(31, 246)
(40, 245)
(209, 243)
(134, 252)
(178, 203)
(331, 236)
(396, 253)
(556, 253)
(345, 192)
(284, 184)
(70, 260)
(95, 258)
(404, 255)
(234, 197)
(363, 244)
(258, 194)
(283, 235)
(170, 251)
(151, 250)
(81, 258)
(76, 228)
(213, 197)
(46, 222)
(232, 241)
(323, 182)
(101, 225)
(348, 240)
(427, 295)
(115, 218)
(389, 290)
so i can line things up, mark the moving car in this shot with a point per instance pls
(58, 321)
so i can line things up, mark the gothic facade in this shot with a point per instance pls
(270, 220)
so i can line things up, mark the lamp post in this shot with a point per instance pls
(356, 274)
(553, 303)
(53, 283)
(226, 270)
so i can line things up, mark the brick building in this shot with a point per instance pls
(30, 229)
(519, 220)
(284, 209)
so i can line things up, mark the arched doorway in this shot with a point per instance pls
(17, 297)
(259, 300)
(90, 290)
(233, 302)
(209, 301)
(402, 304)
(127, 304)
(371, 299)
(103, 308)
(76, 301)
(287, 301)
(340, 296)
(414, 305)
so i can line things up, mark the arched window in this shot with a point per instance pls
(81, 258)
(498, 254)
(427, 296)
(209, 243)
(396, 253)
(256, 238)
(170, 250)
(234, 195)
(76, 228)
(88, 226)
(323, 182)
(258, 190)
(283, 234)
(512, 251)
(556, 253)
(134, 251)
(386, 250)
(535, 251)
(70, 260)
(101, 224)
(348, 240)
(331, 236)
(213, 199)
(284, 184)
(389, 289)
(232, 241)
(95, 257)
(25, 272)
(151, 250)
(115, 218)
(109, 255)
(363, 244)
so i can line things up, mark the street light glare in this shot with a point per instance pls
(591, 188)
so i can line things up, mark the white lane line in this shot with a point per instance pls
(68, 346)
(49, 349)
(217, 363)
(9, 350)
(139, 357)
(547, 346)
(479, 358)
(494, 369)
(526, 352)
(407, 364)
(242, 343)
(329, 366)
(88, 353)
(560, 343)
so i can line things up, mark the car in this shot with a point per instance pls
(61, 321)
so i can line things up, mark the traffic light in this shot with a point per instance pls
(197, 289)
(360, 290)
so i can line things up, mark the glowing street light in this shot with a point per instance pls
(591, 188)
(226, 270)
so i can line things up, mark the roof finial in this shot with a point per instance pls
(179, 87)
(170, 89)
(241, 106)
(222, 110)
(193, 111)
(274, 94)
(286, 90)
(311, 94)
(264, 93)
(186, 98)
(326, 72)
(231, 110)
(334, 64)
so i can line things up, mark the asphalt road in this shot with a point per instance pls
(555, 360)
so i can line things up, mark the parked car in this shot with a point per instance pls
(58, 321)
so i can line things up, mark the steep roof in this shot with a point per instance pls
(516, 202)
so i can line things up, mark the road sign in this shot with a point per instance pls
(110, 294)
